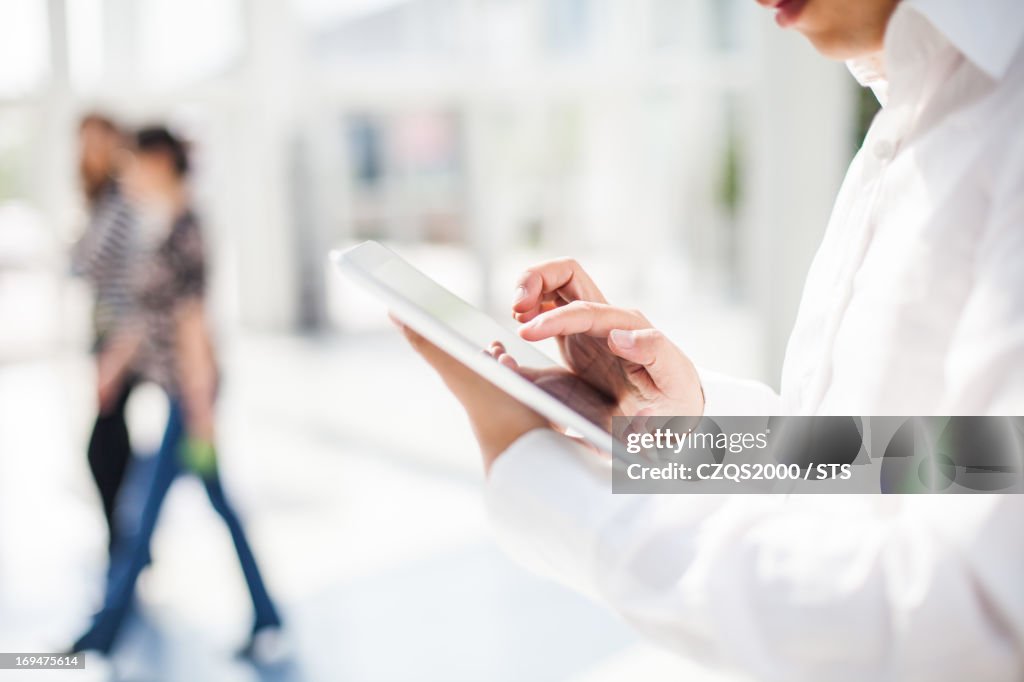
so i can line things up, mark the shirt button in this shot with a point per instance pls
(884, 150)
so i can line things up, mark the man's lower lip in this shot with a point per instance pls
(788, 11)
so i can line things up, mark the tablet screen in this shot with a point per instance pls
(473, 325)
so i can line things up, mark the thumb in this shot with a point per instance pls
(671, 371)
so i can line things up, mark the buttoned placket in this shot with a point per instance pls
(915, 81)
(881, 147)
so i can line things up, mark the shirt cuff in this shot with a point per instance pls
(548, 497)
(731, 397)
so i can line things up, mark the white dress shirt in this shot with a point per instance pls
(914, 305)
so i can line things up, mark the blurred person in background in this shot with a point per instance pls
(914, 305)
(103, 257)
(168, 341)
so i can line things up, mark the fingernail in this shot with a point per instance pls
(623, 338)
(519, 295)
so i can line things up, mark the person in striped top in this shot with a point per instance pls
(104, 256)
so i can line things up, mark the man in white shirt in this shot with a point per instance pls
(914, 305)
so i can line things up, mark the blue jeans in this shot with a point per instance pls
(132, 555)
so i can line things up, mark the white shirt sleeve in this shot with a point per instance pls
(986, 360)
(804, 588)
(731, 397)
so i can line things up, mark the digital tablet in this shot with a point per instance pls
(461, 330)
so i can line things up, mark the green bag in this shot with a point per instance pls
(199, 457)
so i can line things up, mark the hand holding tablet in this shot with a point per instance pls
(613, 349)
(618, 365)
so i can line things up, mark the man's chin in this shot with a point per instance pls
(833, 46)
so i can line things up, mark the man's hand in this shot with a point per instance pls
(619, 364)
(614, 350)
(497, 418)
(564, 385)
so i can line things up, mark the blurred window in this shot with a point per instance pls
(725, 24)
(185, 41)
(318, 13)
(85, 43)
(387, 30)
(568, 25)
(24, 44)
(506, 32)
(364, 137)
(671, 24)
(407, 178)
(699, 25)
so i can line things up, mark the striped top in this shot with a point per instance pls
(104, 257)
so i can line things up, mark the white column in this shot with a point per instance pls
(800, 117)
(262, 141)
(482, 219)
(54, 186)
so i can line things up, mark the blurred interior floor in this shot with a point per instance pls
(370, 530)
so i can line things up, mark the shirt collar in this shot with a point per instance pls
(986, 32)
